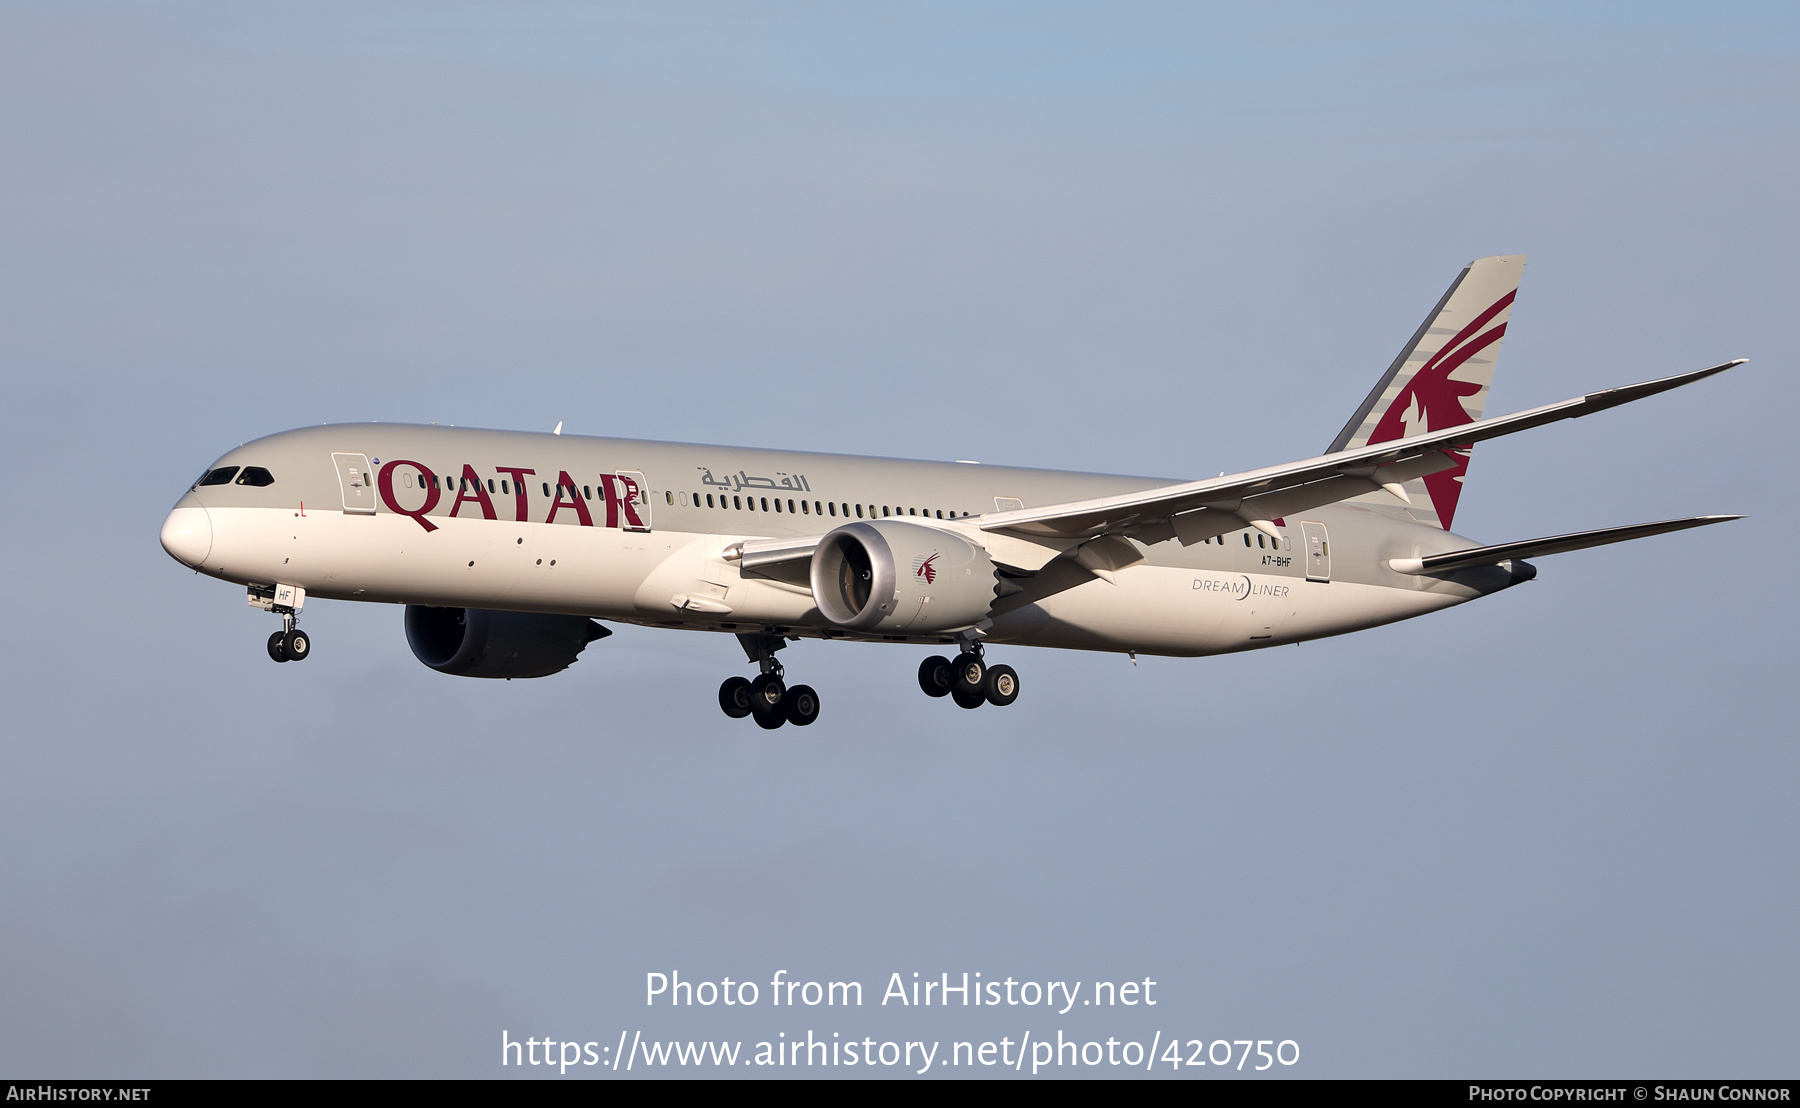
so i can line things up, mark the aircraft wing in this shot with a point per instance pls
(1197, 510)
(1555, 544)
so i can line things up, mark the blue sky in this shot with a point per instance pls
(1545, 835)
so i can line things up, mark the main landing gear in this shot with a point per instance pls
(766, 697)
(969, 680)
(290, 644)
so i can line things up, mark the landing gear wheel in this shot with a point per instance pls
(968, 674)
(800, 705)
(276, 650)
(766, 692)
(1002, 686)
(734, 697)
(296, 644)
(966, 699)
(935, 675)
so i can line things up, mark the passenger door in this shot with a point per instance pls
(357, 482)
(1318, 551)
(633, 491)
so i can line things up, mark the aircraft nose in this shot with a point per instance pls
(187, 534)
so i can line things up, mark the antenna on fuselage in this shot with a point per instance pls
(558, 430)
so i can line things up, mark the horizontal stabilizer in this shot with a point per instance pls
(1555, 544)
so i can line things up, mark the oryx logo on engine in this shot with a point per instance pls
(925, 567)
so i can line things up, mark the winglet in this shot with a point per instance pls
(1624, 394)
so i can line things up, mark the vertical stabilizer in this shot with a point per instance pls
(1441, 379)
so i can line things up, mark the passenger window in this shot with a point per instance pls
(490, 484)
(259, 477)
(790, 507)
(859, 514)
(709, 502)
(546, 486)
(220, 476)
(833, 507)
(765, 503)
(805, 509)
(736, 503)
(1246, 538)
(778, 503)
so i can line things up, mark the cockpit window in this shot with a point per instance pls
(256, 475)
(220, 476)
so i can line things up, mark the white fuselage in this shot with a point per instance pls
(623, 530)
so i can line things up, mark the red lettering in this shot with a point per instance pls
(617, 500)
(565, 484)
(386, 484)
(518, 485)
(470, 481)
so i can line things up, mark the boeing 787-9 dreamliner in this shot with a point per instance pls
(506, 547)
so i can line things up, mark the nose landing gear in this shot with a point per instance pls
(290, 644)
(766, 697)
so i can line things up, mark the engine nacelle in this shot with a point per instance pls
(475, 642)
(888, 576)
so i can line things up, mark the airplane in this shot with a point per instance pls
(507, 547)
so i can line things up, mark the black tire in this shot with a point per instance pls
(966, 699)
(297, 645)
(800, 705)
(734, 697)
(934, 675)
(969, 674)
(766, 692)
(769, 721)
(276, 650)
(1002, 686)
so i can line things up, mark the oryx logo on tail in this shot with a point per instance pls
(1442, 377)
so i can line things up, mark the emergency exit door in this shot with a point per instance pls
(1318, 551)
(357, 482)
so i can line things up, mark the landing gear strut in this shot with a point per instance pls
(290, 644)
(969, 680)
(766, 697)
